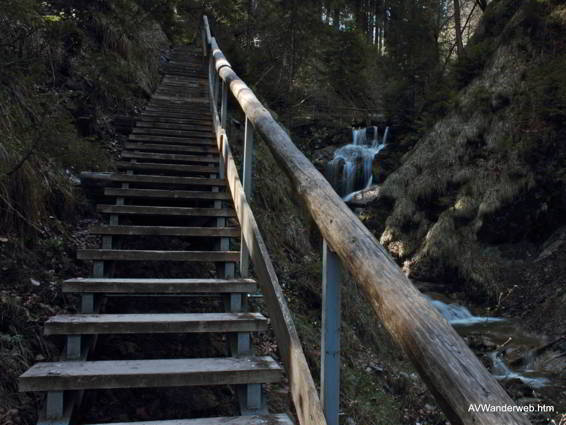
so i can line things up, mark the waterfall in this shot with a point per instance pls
(351, 168)
(460, 315)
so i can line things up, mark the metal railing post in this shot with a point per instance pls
(247, 183)
(204, 42)
(330, 344)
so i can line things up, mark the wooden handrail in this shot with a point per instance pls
(302, 387)
(450, 369)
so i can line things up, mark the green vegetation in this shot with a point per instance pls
(67, 66)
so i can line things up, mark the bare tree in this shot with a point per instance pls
(458, 29)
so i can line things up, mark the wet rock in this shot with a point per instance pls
(385, 162)
(518, 389)
(365, 197)
(322, 156)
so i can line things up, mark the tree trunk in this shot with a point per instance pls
(336, 18)
(458, 29)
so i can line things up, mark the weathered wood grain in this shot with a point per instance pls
(80, 375)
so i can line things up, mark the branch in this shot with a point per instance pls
(454, 45)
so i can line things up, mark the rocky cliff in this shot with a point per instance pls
(479, 202)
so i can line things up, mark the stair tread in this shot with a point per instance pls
(85, 324)
(79, 375)
(165, 194)
(157, 255)
(193, 140)
(172, 120)
(158, 210)
(205, 117)
(171, 148)
(273, 419)
(165, 231)
(156, 166)
(165, 125)
(171, 132)
(158, 286)
(171, 157)
(143, 178)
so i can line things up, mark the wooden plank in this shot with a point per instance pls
(165, 231)
(170, 132)
(158, 286)
(170, 157)
(172, 120)
(196, 139)
(196, 104)
(79, 375)
(165, 194)
(177, 111)
(203, 127)
(188, 101)
(149, 255)
(142, 178)
(156, 166)
(278, 419)
(170, 148)
(180, 115)
(165, 211)
(93, 324)
(446, 364)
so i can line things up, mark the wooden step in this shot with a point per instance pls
(198, 101)
(149, 255)
(170, 132)
(152, 119)
(187, 89)
(178, 94)
(165, 194)
(275, 419)
(170, 148)
(165, 211)
(91, 324)
(141, 178)
(222, 232)
(156, 166)
(180, 115)
(183, 73)
(178, 112)
(158, 286)
(163, 147)
(193, 100)
(203, 127)
(170, 157)
(201, 139)
(200, 107)
(178, 78)
(81, 375)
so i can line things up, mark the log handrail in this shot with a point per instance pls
(452, 372)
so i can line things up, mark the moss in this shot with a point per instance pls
(471, 65)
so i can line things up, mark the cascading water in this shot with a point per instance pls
(498, 330)
(351, 168)
(459, 315)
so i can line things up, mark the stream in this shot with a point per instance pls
(529, 365)
(511, 353)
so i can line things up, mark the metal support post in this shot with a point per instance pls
(330, 345)
(247, 183)
(55, 405)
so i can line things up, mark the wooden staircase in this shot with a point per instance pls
(169, 184)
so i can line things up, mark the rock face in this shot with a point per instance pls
(385, 162)
(477, 197)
